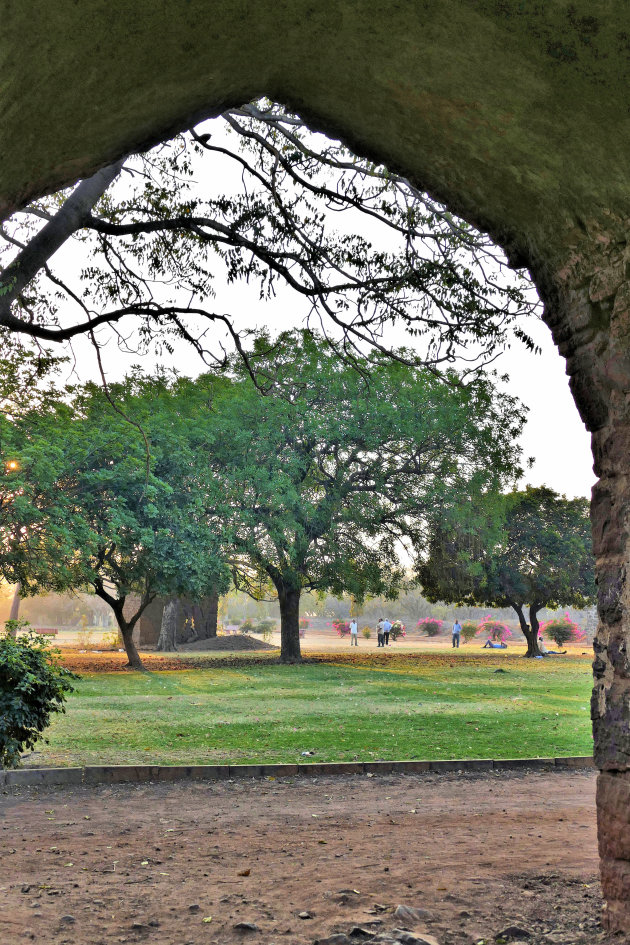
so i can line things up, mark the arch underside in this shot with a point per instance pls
(512, 112)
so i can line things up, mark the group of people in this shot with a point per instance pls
(383, 628)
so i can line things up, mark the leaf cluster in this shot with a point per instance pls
(33, 686)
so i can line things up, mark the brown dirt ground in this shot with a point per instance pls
(151, 862)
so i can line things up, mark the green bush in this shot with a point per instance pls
(469, 630)
(32, 686)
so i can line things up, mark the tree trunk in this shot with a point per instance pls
(126, 632)
(167, 641)
(15, 603)
(205, 615)
(15, 607)
(289, 601)
(530, 633)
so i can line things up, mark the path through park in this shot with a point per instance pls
(301, 859)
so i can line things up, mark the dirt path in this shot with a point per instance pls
(150, 863)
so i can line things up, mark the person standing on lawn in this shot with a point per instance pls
(387, 626)
(457, 630)
(354, 632)
(379, 633)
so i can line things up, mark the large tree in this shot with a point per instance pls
(359, 244)
(526, 550)
(86, 503)
(327, 476)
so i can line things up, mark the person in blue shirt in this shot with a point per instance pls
(457, 630)
(387, 626)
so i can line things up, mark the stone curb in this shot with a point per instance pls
(117, 774)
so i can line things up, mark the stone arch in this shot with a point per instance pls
(513, 113)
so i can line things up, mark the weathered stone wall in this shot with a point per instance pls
(588, 309)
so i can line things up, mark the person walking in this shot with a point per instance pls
(379, 632)
(354, 632)
(457, 631)
(387, 626)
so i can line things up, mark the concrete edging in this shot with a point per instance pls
(118, 774)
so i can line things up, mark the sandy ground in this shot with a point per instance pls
(182, 864)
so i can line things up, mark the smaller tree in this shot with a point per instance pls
(495, 630)
(431, 626)
(527, 550)
(32, 687)
(562, 630)
(398, 629)
(469, 630)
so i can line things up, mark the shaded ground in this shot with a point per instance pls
(150, 863)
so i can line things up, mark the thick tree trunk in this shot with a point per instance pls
(167, 641)
(206, 617)
(529, 632)
(289, 600)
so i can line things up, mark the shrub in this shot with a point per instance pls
(32, 686)
(366, 632)
(431, 626)
(265, 627)
(112, 640)
(247, 626)
(397, 630)
(561, 630)
(304, 623)
(497, 631)
(469, 630)
(341, 627)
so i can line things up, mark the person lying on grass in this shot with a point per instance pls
(545, 652)
(489, 645)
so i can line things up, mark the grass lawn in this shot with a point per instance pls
(425, 706)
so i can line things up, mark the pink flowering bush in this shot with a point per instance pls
(398, 630)
(562, 630)
(431, 626)
(498, 632)
(341, 627)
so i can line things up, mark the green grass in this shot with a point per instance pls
(407, 708)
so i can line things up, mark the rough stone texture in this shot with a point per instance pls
(514, 114)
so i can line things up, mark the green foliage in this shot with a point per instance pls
(469, 630)
(86, 505)
(33, 686)
(324, 475)
(366, 633)
(494, 630)
(562, 630)
(397, 630)
(529, 548)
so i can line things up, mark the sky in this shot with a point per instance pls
(554, 434)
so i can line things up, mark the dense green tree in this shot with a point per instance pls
(84, 503)
(329, 474)
(526, 550)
